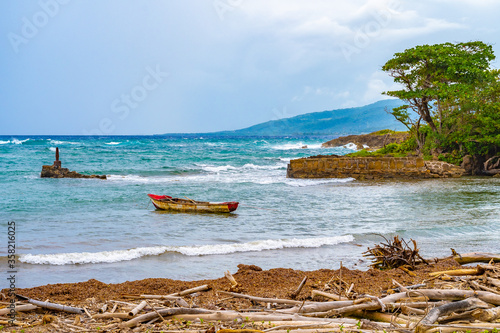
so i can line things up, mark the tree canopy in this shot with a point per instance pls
(451, 96)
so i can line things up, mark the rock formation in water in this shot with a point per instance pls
(375, 140)
(56, 171)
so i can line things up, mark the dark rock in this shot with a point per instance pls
(51, 171)
(56, 171)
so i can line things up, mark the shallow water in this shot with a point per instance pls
(75, 229)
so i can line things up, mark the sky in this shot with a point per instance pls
(123, 67)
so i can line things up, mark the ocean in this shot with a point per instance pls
(71, 230)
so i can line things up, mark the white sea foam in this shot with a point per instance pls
(248, 166)
(19, 142)
(351, 146)
(4, 142)
(297, 145)
(315, 182)
(58, 142)
(112, 143)
(52, 149)
(202, 250)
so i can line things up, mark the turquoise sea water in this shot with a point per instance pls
(70, 230)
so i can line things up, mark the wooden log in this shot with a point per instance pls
(231, 279)
(260, 316)
(262, 299)
(110, 315)
(164, 312)
(373, 305)
(457, 294)
(191, 291)
(138, 308)
(477, 285)
(103, 308)
(486, 314)
(472, 257)
(15, 323)
(18, 308)
(459, 272)
(493, 281)
(379, 317)
(324, 294)
(53, 306)
(299, 289)
(434, 314)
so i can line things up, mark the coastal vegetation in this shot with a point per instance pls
(451, 102)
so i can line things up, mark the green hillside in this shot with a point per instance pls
(364, 119)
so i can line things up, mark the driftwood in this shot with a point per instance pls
(53, 306)
(261, 299)
(459, 272)
(191, 291)
(18, 308)
(473, 257)
(434, 314)
(299, 288)
(486, 314)
(164, 312)
(394, 253)
(231, 279)
(138, 308)
(324, 294)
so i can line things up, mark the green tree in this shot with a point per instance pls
(436, 82)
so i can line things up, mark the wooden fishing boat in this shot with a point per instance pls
(166, 202)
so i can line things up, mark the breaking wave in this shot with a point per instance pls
(201, 250)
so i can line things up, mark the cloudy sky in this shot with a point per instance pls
(163, 66)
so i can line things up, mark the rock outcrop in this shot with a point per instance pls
(362, 168)
(373, 140)
(56, 171)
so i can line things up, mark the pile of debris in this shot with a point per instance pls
(464, 299)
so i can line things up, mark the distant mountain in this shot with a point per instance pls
(359, 120)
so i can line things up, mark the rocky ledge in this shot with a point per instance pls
(362, 168)
(51, 171)
(56, 171)
(375, 140)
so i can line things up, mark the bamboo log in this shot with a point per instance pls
(468, 258)
(18, 308)
(110, 315)
(433, 315)
(324, 294)
(299, 289)
(191, 291)
(261, 299)
(103, 308)
(486, 314)
(459, 272)
(177, 299)
(138, 308)
(260, 316)
(54, 306)
(164, 312)
(373, 305)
